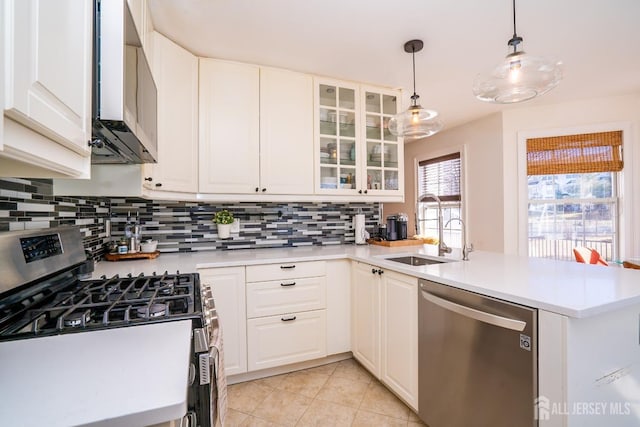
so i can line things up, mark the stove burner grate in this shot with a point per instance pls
(74, 306)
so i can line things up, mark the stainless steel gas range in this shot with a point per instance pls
(42, 300)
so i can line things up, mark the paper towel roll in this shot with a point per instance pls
(359, 230)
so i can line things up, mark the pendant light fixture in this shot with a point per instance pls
(520, 76)
(416, 122)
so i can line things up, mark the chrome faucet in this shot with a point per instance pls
(442, 247)
(465, 248)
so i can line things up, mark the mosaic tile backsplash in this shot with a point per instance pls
(29, 204)
(179, 226)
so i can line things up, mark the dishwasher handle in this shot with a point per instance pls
(482, 316)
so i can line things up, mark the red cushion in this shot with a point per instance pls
(596, 258)
(593, 256)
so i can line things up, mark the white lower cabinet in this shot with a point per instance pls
(285, 296)
(287, 338)
(338, 306)
(399, 335)
(228, 287)
(286, 314)
(365, 317)
(385, 328)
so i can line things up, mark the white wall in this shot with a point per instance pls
(589, 114)
(480, 142)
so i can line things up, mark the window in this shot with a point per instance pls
(441, 176)
(573, 194)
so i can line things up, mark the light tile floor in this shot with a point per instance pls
(338, 394)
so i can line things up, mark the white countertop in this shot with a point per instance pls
(567, 288)
(121, 377)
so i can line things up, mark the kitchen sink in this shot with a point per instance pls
(416, 260)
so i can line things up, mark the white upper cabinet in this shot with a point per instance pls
(229, 127)
(337, 133)
(2, 81)
(383, 152)
(47, 59)
(142, 20)
(286, 132)
(256, 129)
(175, 71)
(356, 154)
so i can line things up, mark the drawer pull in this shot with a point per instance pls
(287, 267)
(288, 284)
(288, 319)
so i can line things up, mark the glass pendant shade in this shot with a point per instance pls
(518, 78)
(415, 123)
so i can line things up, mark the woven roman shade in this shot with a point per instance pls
(440, 176)
(584, 153)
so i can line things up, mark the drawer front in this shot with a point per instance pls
(287, 270)
(286, 296)
(276, 341)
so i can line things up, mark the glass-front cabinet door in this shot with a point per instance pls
(384, 153)
(355, 152)
(337, 132)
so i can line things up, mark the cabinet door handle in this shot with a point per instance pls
(288, 284)
(380, 272)
(287, 267)
(148, 179)
(359, 191)
(365, 191)
(257, 189)
(288, 319)
(159, 184)
(374, 271)
(264, 189)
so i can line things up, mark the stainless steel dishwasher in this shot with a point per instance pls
(478, 359)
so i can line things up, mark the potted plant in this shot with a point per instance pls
(223, 219)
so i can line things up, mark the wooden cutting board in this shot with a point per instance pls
(137, 255)
(394, 243)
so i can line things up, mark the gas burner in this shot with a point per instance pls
(75, 319)
(166, 286)
(154, 310)
(110, 287)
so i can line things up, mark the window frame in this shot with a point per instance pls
(462, 206)
(624, 217)
(614, 201)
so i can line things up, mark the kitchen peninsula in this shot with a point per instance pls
(588, 348)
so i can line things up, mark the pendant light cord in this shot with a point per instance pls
(413, 56)
(514, 20)
(515, 40)
(414, 98)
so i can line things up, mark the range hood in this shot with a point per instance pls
(124, 93)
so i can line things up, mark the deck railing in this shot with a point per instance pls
(562, 249)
